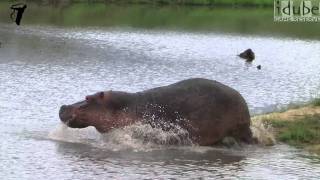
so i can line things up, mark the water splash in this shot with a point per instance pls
(263, 132)
(66, 134)
(144, 137)
(136, 137)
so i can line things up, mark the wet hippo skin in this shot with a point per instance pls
(207, 109)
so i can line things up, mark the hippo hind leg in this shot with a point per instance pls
(243, 134)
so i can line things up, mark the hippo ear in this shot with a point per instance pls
(101, 95)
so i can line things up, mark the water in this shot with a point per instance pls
(43, 67)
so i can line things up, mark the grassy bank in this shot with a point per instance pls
(205, 2)
(299, 127)
(244, 21)
(255, 3)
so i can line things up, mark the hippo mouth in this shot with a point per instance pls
(67, 115)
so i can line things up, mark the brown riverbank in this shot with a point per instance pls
(299, 127)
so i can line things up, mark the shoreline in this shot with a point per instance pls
(209, 3)
(299, 127)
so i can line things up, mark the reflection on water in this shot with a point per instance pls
(269, 163)
(43, 67)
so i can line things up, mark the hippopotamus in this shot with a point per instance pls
(248, 55)
(259, 67)
(208, 110)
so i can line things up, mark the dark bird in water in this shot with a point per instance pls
(19, 8)
(259, 67)
(247, 55)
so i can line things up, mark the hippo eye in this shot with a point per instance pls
(88, 99)
(101, 95)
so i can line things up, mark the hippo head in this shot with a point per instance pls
(248, 55)
(93, 111)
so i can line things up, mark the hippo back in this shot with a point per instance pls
(212, 110)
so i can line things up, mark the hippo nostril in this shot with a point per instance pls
(65, 113)
(63, 107)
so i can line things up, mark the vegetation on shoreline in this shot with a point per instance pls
(316, 102)
(232, 3)
(299, 127)
(207, 2)
(301, 132)
(244, 21)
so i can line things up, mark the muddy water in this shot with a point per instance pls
(42, 67)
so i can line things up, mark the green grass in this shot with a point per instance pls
(301, 132)
(181, 2)
(316, 102)
(210, 2)
(246, 21)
